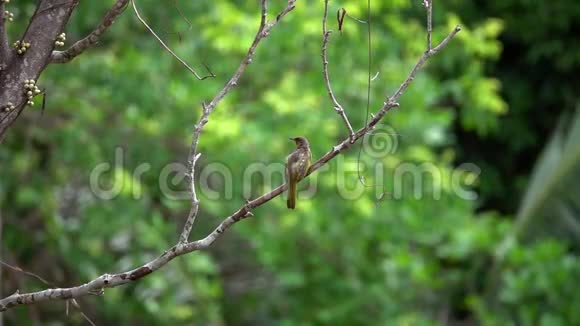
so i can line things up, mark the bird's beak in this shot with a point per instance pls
(291, 138)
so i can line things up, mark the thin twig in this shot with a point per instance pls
(426, 55)
(264, 15)
(166, 47)
(429, 6)
(182, 16)
(263, 32)
(42, 280)
(192, 159)
(337, 107)
(97, 286)
(81, 45)
(20, 270)
(368, 98)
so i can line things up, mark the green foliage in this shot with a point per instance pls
(535, 287)
(538, 71)
(383, 257)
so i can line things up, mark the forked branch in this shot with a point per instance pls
(167, 48)
(263, 31)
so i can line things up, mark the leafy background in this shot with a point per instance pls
(492, 98)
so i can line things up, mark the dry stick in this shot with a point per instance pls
(429, 53)
(42, 280)
(166, 47)
(189, 24)
(98, 285)
(429, 6)
(20, 270)
(337, 107)
(81, 45)
(193, 157)
(263, 31)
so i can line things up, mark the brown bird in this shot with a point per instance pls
(297, 165)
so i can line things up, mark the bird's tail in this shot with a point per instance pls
(291, 201)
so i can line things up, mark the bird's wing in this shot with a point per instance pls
(286, 168)
(292, 163)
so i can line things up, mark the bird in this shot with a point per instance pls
(297, 165)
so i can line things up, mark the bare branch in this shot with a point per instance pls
(337, 107)
(446, 40)
(192, 158)
(429, 6)
(81, 45)
(166, 47)
(263, 17)
(38, 277)
(263, 31)
(97, 286)
(189, 24)
(428, 53)
(20, 270)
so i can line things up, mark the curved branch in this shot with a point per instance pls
(166, 47)
(263, 31)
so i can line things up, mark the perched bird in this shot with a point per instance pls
(297, 165)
